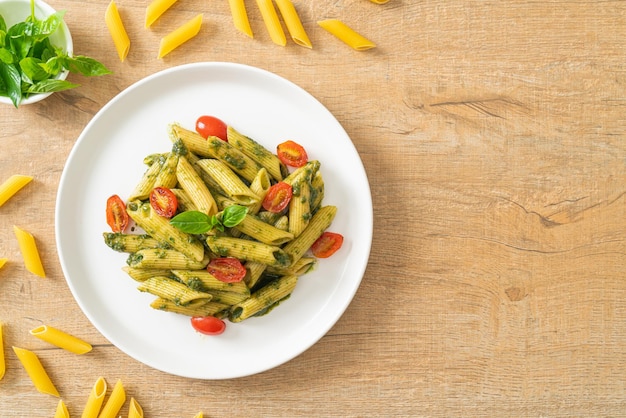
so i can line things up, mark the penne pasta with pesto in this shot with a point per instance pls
(222, 227)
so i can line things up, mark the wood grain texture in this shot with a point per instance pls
(494, 137)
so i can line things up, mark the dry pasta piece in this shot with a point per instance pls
(61, 339)
(156, 9)
(2, 362)
(95, 399)
(28, 247)
(199, 415)
(240, 17)
(3, 262)
(134, 409)
(293, 23)
(117, 30)
(272, 23)
(115, 401)
(346, 34)
(379, 1)
(36, 371)
(179, 36)
(12, 185)
(61, 411)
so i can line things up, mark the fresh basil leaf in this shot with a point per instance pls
(3, 24)
(20, 38)
(3, 37)
(32, 68)
(12, 81)
(86, 66)
(6, 56)
(233, 215)
(50, 86)
(192, 222)
(45, 28)
(54, 65)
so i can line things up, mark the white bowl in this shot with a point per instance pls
(15, 11)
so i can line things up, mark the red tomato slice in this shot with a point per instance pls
(208, 126)
(292, 154)
(278, 197)
(163, 201)
(208, 325)
(117, 217)
(327, 244)
(227, 269)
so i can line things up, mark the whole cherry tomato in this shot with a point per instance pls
(292, 154)
(208, 126)
(163, 201)
(327, 244)
(117, 217)
(227, 269)
(277, 197)
(208, 325)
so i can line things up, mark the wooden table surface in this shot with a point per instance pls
(493, 134)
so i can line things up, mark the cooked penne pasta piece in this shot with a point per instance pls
(213, 147)
(264, 232)
(304, 173)
(3, 262)
(346, 34)
(170, 289)
(258, 153)
(36, 371)
(265, 298)
(155, 9)
(272, 23)
(166, 177)
(194, 308)
(228, 181)
(129, 243)
(184, 201)
(163, 259)
(244, 249)
(299, 268)
(259, 186)
(293, 23)
(95, 399)
(179, 36)
(140, 275)
(12, 185)
(146, 184)
(61, 339)
(161, 229)
(318, 224)
(255, 271)
(116, 29)
(228, 298)
(61, 411)
(204, 281)
(300, 207)
(134, 409)
(191, 182)
(30, 253)
(317, 191)
(3, 365)
(240, 17)
(115, 401)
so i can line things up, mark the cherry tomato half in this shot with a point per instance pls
(117, 218)
(277, 197)
(208, 126)
(208, 325)
(292, 154)
(327, 244)
(163, 201)
(227, 269)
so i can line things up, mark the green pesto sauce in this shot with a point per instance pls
(113, 241)
(195, 283)
(134, 259)
(179, 148)
(269, 308)
(282, 258)
(235, 161)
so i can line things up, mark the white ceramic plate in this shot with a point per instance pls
(107, 159)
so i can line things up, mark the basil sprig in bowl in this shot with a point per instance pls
(36, 53)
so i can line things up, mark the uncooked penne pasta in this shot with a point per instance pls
(379, 1)
(115, 401)
(95, 399)
(199, 415)
(3, 262)
(12, 185)
(240, 17)
(134, 409)
(61, 339)
(155, 9)
(272, 23)
(293, 23)
(346, 34)
(117, 30)
(2, 361)
(30, 253)
(36, 371)
(179, 36)
(61, 411)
